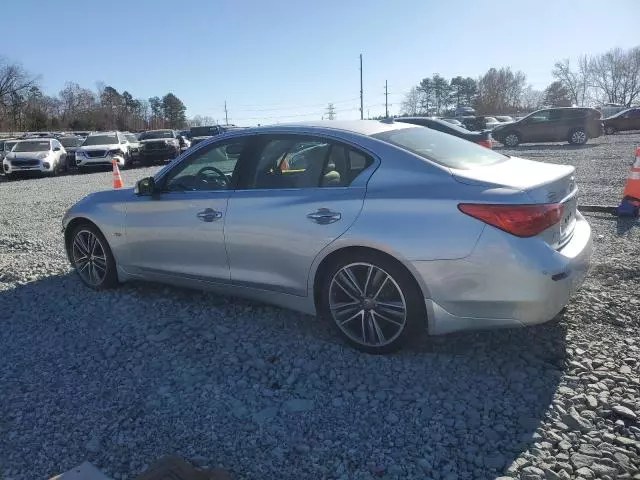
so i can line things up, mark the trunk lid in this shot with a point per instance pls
(542, 182)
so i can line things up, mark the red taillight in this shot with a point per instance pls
(485, 143)
(519, 220)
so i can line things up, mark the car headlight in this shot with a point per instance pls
(80, 153)
(42, 155)
(171, 141)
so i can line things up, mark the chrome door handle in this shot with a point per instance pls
(324, 216)
(209, 215)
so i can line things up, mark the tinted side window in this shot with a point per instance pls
(634, 113)
(539, 117)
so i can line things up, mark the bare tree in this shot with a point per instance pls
(531, 99)
(411, 102)
(617, 74)
(500, 91)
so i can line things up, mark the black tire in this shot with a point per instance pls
(55, 170)
(609, 130)
(578, 136)
(414, 321)
(110, 279)
(511, 139)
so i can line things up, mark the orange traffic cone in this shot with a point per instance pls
(117, 178)
(631, 196)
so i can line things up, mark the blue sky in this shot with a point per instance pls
(283, 60)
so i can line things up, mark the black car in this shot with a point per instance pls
(71, 144)
(198, 134)
(625, 120)
(159, 145)
(575, 125)
(481, 138)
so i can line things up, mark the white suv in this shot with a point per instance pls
(99, 149)
(44, 155)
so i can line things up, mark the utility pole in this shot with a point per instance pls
(361, 96)
(226, 114)
(386, 100)
(331, 112)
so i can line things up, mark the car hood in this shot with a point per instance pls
(93, 148)
(71, 149)
(544, 182)
(26, 155)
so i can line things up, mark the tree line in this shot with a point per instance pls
(24, 107)
(610, 77)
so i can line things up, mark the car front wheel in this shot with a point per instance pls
(609, 130)
(578, 137)
(373, 302)
(92, 258)
(511, 139)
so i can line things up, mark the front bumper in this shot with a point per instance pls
(506, 281)
(85, 162)
(18, 166)
(168, 152)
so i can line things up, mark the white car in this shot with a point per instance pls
(134, 146)
(99, 149)
(44, 155)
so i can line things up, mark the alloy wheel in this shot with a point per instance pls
(367, 304)
(578, 137)
(89, 257)
(511, 140)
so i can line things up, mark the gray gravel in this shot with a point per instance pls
(123, 377)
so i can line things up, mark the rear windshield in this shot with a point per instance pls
(33, 146)
(100, 140)
(441, 147)
(203, 131)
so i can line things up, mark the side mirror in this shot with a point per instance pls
(145, 187)
(234, 149)
(56, 149)
(123, 141)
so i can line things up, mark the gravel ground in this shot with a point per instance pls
(123, 377)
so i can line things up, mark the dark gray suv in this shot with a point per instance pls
(575, 125)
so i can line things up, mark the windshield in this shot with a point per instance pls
(70, 141)
(156, 134)
(33, 146)
(131, 138)
(100, 140)
(441, 147)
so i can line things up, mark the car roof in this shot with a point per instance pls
(110, 132)
(361, 127)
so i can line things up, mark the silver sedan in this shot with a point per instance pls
(385, 229)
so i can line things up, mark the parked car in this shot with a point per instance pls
(99, 149)
(464, 112)
(44, 155)
(198, 134)
(490, 123)
(134, 146)
(504, 119)
(6, 144)
(622, 121)
(386, 229)
(573, 124)
(159, 145)
(185, 143)
(71, 144)
(481, 138)
(453, 121)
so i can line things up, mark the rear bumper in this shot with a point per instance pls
(505, 282)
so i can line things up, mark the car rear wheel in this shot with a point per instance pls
(373, 302)
(578, 137)
(92, 258)
(609, 130)
(512, 139)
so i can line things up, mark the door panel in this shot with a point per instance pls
(179, 233)
(273, 236)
